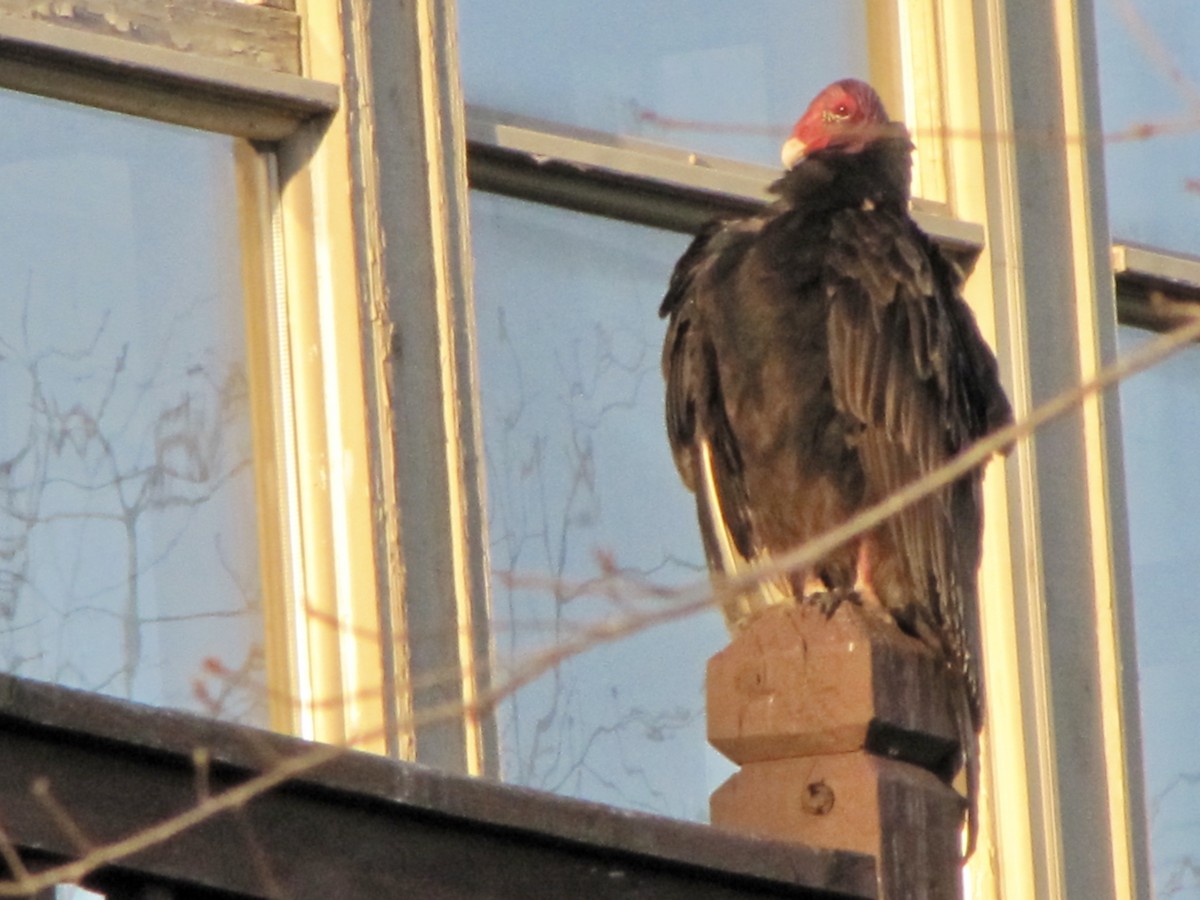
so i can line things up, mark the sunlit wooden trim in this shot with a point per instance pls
(268, 368)
(1003, 865)
(378, 342)
(1152, 269)
(1096, 315)
(885, 66)
(923, 77)
(445, 132)
(333, 601)
(1049, 256)
(289, 5)
(404, 145)
(157, 83)
(1026, 860)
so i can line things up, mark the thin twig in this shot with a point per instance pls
(201, 759)
(44, 794)
(233, 798)
(13, 860)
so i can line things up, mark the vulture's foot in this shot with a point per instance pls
(830, 600)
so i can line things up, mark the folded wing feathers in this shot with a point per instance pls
(893, 341)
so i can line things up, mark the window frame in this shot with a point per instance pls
(406, 134)
(313, 455)
(378, 529)
(1059, 550)
(124, 75)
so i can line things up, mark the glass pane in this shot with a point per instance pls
(1159, 410)
(128, 542)
(1149, 85)
(581, 482)
(727, 77)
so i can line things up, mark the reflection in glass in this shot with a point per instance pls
(1149, 82)
(1160, 414)
(580, 484)
(128, 543)
(727, 77)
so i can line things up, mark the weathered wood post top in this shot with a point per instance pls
(843, 730)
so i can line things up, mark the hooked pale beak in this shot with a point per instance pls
(793, 151)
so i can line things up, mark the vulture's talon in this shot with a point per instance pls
(830, 601)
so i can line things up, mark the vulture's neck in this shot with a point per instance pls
(881, 172)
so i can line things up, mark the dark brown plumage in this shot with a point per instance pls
(819, 356)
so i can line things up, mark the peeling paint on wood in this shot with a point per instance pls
(126, 76)
(264, 35)
(278, 4)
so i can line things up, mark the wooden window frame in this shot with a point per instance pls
(317, 468)
(217, 92)
(1064, 738)
(405, 136)
(380, 523)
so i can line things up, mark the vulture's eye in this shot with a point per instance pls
(842, 111)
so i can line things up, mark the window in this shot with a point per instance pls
(167, 432)
(1154, 405)
(660, 122)
(453, 405)
(572, 423)
(723, 81)
(579, 477)
(1148, 80)
(130, 533)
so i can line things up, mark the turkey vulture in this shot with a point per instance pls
(818, 356)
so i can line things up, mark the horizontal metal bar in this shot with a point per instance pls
(157, 83)
(594, 150)
(598, 191)
(638, 180)
(1155, 290)
(1132, 262)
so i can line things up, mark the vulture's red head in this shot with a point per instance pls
(848, 114)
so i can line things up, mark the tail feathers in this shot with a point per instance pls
(724, 558)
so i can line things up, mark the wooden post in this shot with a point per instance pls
(842, 727)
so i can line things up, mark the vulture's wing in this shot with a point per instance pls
(908, 362)
(702, 441)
